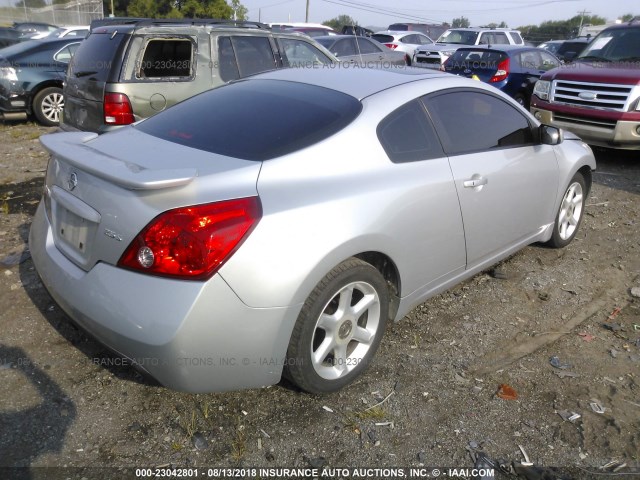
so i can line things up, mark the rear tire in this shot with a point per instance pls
(47, 106)
(339, 328)
(570, 213)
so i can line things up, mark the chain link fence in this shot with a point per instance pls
(78, 12)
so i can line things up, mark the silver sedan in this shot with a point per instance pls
(361, 50)
(276, 225)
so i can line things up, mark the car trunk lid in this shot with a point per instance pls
(100, 192)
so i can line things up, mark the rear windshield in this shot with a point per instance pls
(96, 55)
(475, 60)
(255, 120)
(382, 38)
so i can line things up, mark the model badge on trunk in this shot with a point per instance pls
(72, 182)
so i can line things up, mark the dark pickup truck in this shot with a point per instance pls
(598, 96)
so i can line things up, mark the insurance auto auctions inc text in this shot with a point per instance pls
(333, 473)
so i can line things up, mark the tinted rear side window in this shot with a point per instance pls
(96, 56)
(407, 136)
(255, 120)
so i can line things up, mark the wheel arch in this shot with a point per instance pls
(587, 174)
(389, 271)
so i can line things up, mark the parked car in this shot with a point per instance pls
(430, 30)
(406, 42)
(126, 72)
(31, 76)
(310, 29)
(512, 69)
(356, 30)
(598, 95)
(313, 31)
(566, 50)
(360, 50)
(29, 29)
(80, 31)
(435, 54)
(284, 219)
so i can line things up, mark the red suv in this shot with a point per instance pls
(598, 96)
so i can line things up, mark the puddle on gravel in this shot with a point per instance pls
(21, 197)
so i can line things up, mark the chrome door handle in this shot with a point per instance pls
(475, 182)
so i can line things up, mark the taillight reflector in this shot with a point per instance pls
(192, 242)
(392, 46)
(117, 109)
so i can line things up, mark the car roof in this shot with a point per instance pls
(356, 82)
(633, 24)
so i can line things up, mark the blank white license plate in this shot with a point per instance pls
(73, 230)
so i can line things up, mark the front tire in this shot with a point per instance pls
(339, 328)
(570, 213)
(47, 106)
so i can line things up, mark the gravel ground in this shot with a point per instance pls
(429, 399)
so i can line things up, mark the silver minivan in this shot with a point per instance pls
(125, 72)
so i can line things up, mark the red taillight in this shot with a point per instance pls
(117, 109)
(392, 46)
(192, 242)
(501, 72)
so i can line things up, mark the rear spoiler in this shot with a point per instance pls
(72, 148)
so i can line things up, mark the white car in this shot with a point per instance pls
(434, 55)
(79, 31)
(406, 42)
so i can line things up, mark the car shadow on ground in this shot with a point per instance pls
(96, 353)
(619, 169)
(40, 429)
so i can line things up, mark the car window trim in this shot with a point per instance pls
(66, 46)
(151, 37)
(425, 100)
(427, 117)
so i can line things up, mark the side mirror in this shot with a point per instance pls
(550, 135)
(569, 56)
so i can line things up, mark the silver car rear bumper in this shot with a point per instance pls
(192, 336)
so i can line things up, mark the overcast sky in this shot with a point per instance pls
(480, 12)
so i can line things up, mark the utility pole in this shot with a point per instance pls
(582, 14)
(306, 18)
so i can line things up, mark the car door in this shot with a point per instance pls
(369, 52)
(345, 49)
(505, 179)
(427, 205)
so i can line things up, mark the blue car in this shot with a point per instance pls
(511, 68)
(31, 76)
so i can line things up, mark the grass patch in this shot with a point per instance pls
(375, 413)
